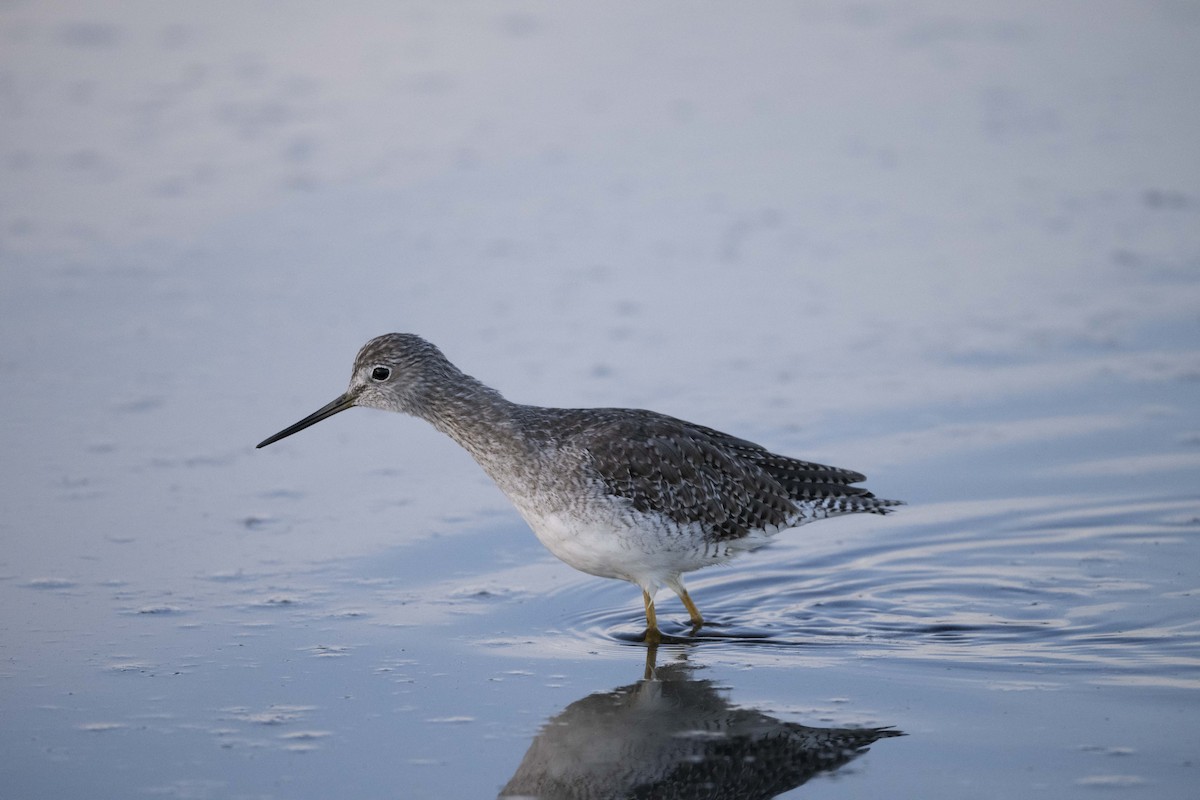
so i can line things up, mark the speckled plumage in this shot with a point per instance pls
(619, 493)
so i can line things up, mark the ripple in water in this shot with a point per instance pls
(1045, 582)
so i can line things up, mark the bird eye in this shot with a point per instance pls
(381, 373)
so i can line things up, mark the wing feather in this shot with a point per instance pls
(661, 464)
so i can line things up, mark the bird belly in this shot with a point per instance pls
(640, 548)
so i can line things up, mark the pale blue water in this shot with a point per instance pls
(956, 249)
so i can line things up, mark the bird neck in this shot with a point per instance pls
(474, 415)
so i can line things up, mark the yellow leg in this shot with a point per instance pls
(653, 635)
(677, 587)
(694, 612)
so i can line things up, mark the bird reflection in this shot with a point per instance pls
(671, 736)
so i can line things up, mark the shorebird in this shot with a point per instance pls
(614, 492)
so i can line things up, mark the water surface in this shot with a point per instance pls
(956, 249)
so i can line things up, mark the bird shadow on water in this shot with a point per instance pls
(672, 734)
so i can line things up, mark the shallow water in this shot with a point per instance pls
(977, 280)
(1051, 639)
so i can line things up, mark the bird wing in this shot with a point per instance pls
(804, 480)
(668, 466)
(732, 486)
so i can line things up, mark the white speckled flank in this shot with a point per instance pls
(614, 492)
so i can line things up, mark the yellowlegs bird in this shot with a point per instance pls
(614, 492)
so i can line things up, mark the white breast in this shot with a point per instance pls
(633, 546)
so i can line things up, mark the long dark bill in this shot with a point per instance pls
(336, 407)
